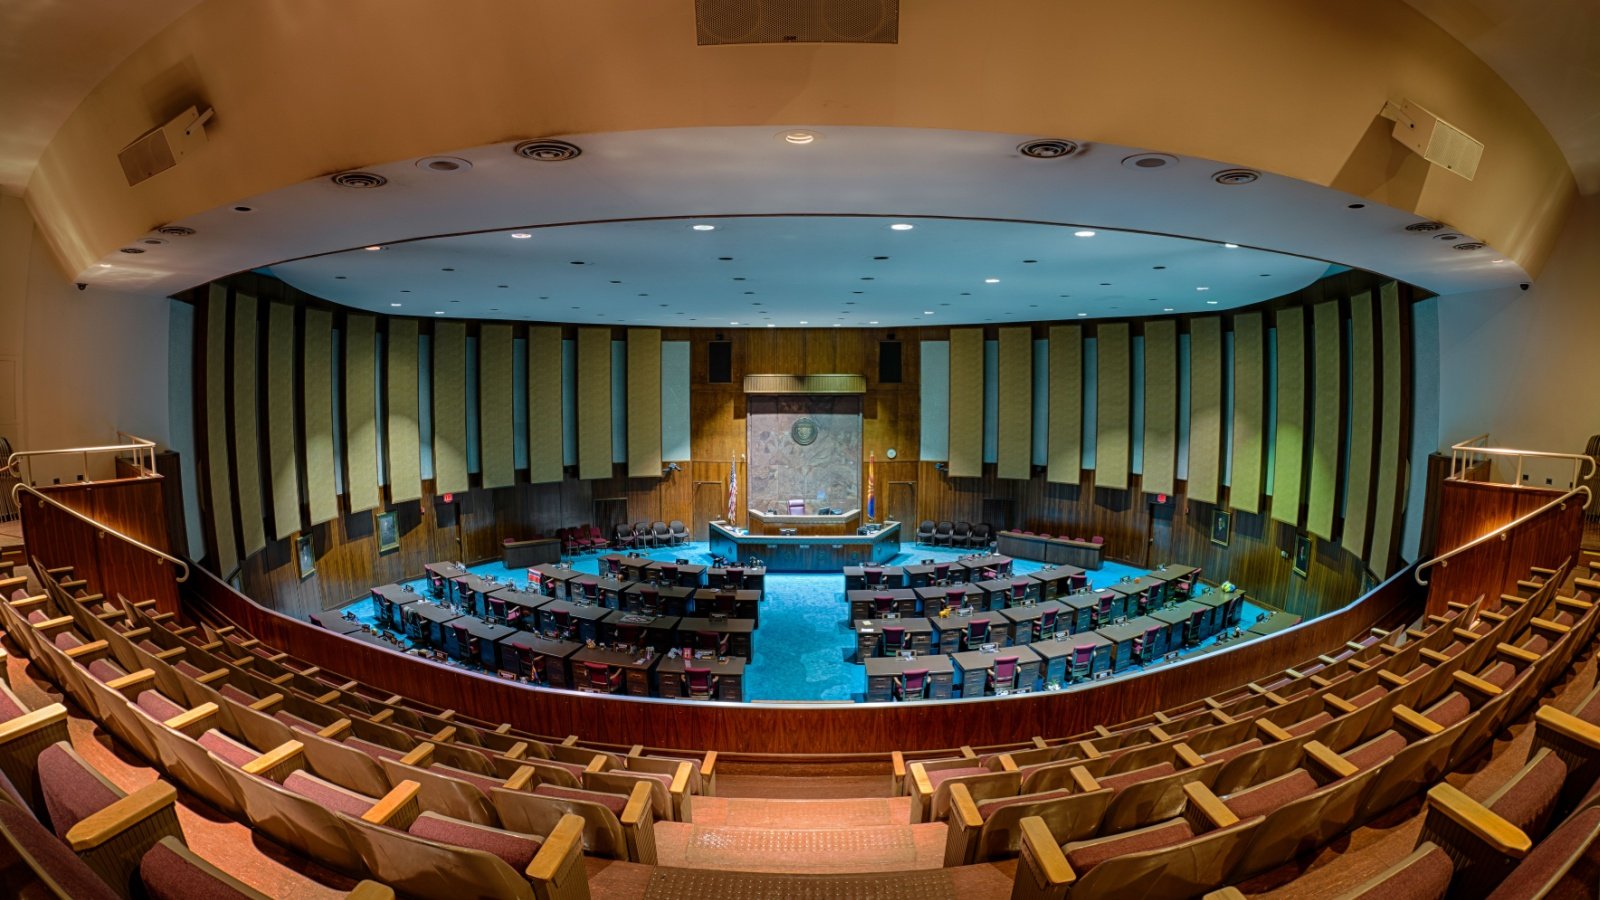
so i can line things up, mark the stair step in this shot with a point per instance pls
(870, 848)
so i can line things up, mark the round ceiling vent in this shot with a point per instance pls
(1049, 148)
(1470, 245)
(443, 164)
(1150, 161)
(1423, 227)
(547, 150)
(1447, 237)
(132, 250)
(175, 231)
(359, 180)
(1236, 176)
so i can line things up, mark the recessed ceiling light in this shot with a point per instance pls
(1355, 206)
(836, 324)
(577, 262)
(438, 312)
(242, 209)
(1498, 262)
(991, 281)
(1211, 303)
(927, 312)
(804, 322)
(733, 323)
(394, 304)
(799, 137)
(1202, 289)
(704, 227)
(1158, 267)
(520, 235)
(1081, 315)
(373, 247)
(1231, 246)
(770, 325)
(108, 265)
(1166, 309)
(1084, 233)
(901, 226)
(873, 322)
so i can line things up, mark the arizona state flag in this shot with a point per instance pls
(872, 488)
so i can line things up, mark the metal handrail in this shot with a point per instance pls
(1443, 559)
(19, 488)
(143, 451)
(1465, 450)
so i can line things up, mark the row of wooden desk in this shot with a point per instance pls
(1130, 597)
(959, 571)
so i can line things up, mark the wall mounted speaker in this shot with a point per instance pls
(719, 365)
(889, 362)
(160, 148)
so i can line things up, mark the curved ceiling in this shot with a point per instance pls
(313, 232)
(787, 271)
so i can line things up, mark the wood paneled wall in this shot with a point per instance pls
(1469, 509)
(133, 506)
(1061, 497)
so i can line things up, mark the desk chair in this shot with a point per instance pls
(622, 537)
(660, 535)
(464, 644)
(513, 618)
(1019, 591)
(955, 598)
(530, 666)
(733, 577)
(666, 573)
(601, 678)
(435, 586)
(1045, 625)
(961, 535)
(700, 683)
(650, 601)
(715, 641)
(894, 640)
(872, 576)
(1148, 646)
(614, 568)
(977, 633)
(925, 532)
(1078, 581)
(1194, 629)
(1183, 588)
(589, 590)
(1082, 661)
(642, 535)
(497, 610)
(679, 532)
(797, 507)
(1003, 677)
(564, 627)
(882, 605)
(722, 604)
(913, 685)
(1097, 540)
(1102, 611)
(941, 534)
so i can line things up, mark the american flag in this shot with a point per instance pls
(733, 489)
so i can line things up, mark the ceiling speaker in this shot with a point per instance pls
(796, 21)
(160, 148)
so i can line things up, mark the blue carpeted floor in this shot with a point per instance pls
(804, 645)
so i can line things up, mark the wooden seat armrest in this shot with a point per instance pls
(1082, 781)
(1417, 722)
(1573, 603)
(134, 634)
(597, 765)
(1456, 605)
(558, 869)
(1272, 731)
(30, 723)
(446, 715)
(1320, 682)
(1329, 761)
(1040, 743)
(420, 756)
(1007, 763)
(963, 811)
(1392, 680)
(89, 650)
(1221, 718)
(519, 750)
(897, 763)
(1478, 821)
(1416, 634)
(54, 624)
(224, 631)
(249, 643)
(211, 646)
(1099, 731)
(393, 700)
(679, 791)
(1161, 736)
(170, 654)
(570, 740)
(1476, 685)
(503, 728)
(23, 604)
(1513, 599)
(1255, 688)
(1042, 857)
(1541, 570)
(126, 813)
(637, 809)
(398, 808)
(160, 616)
(1433, 656)
(1275, 698)
(131, 685)
(335, 731)
(444, 735)
(1589, 583)
(1437, 619)
(1360, 665)
(1492, 616)
(1517, 653)
(523, 779)
(1547, 625)
(1339, 704)
(278, 762)
(1462, 634)
(381, 716)
(1205, 810)
(922, 785)
(1161, 718)
(72, 584)
(188, 719)
(183, 631)
(311, 671)
(141, 604)
(327, 699)
(370, 890)
(708, 766)
(212, 676)
(1212, 703)
(1227, 893)
(59, 571)
(1187, 756)
(1567, 726)
(276, 657)
(1327, 660)
(1089, 751)
(265, 704)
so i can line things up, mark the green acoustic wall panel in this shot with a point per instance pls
(1066, 405)
(1386, 509)
(1161, 407)
(594, 403)
(322, 497)
(1113, 446)
(1206, 410)
(1015, 431)
(1327, 387)
(400, 400)
(246, 429)
(966, 402)
(285, 468)
(1249, 408)
(544, 404)
(219, 475)
(361, 412)
(450, 407)
(495, 406)
(1290, 441)
(1363, 414)
(644, 403)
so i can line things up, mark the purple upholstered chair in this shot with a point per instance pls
(1003, 677)
(797, 507)
(912, 685)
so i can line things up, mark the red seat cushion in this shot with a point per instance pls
(1228, 753)
(1085, 855)
(10, 706)
(158, 706)
(1529, 798)
(481, 782)
(327, 794)
(516, 849)
(940, 776)
(1306, 726)
(1376, 750)
(376, 751)
(67, 640)
(1500, 674)
(1369, 695)
(169, 875)
(72, 790)
(1574, 839)
(226, 748)
(237, 695)
(105, 670)
(70, 873)
(1269, 795)
(1450, 710)
(990, 807)
(294, 721)
(1123, 779)
(1424, 875)
(614, 802)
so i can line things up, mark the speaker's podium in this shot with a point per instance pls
(805, 523)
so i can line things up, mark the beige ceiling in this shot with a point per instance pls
(1548, 51)
(52, 52)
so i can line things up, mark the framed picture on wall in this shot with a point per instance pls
(1302, 554)
(305, 555)
(1221, 526)
(388, 532)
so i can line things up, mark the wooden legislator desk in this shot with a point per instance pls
(804, 524)
(808, 554)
